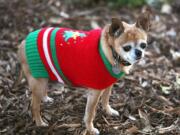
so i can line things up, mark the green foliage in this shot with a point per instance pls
(129, 3)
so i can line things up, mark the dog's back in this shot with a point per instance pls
(68, 56)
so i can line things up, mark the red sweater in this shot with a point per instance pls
(70, 56)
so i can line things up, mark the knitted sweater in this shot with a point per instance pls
(69, 56)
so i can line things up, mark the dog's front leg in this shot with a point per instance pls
(92, 101)
(105, 103)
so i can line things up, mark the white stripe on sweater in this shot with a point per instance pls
(46, 52)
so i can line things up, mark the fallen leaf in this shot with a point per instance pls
(132, 130)
(166, 89)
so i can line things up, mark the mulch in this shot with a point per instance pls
(148, 99)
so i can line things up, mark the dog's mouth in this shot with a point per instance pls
(134, 60)
(138, 58)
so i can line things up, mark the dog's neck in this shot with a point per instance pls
(106, 42)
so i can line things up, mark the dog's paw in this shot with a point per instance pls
(112, 112)
(42, 124)
(47, 99)
(94, 131)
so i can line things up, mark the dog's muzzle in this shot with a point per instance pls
(138, 54)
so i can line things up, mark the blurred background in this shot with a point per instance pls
(148, 99)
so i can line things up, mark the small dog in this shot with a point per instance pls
(91, 59)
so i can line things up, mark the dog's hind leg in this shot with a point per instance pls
(38, 86)
(47, 99)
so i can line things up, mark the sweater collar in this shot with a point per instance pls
(108, 64)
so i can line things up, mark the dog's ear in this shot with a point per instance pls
(143, 21)
(116, 27)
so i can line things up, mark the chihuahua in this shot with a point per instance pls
(94, 59)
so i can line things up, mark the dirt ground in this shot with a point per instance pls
(148, 99)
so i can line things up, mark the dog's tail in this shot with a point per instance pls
(19, 75)
(19, 70)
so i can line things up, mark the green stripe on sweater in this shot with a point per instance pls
(36, 66)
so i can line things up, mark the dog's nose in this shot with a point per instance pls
(138, 53)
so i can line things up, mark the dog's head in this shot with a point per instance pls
(130, 40)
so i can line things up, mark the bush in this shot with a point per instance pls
(129, 3)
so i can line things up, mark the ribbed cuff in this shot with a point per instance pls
(34, 61)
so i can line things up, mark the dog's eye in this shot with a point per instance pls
(143, 45)
(127, 48)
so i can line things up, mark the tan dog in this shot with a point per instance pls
(121, 43)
